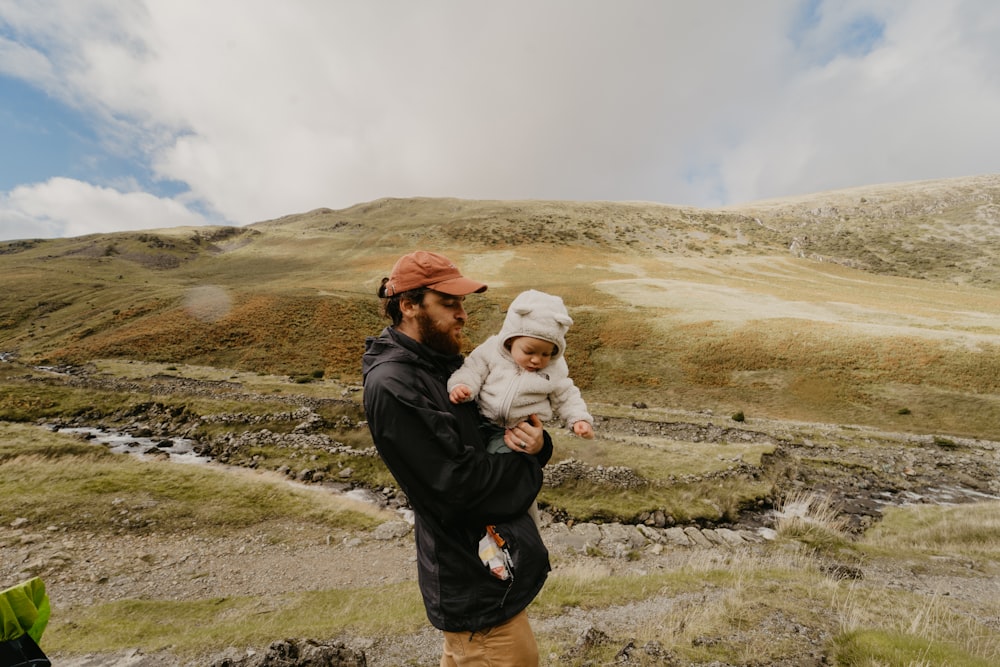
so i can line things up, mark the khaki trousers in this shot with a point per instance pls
(511, 644)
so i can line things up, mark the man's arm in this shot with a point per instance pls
(439, 461)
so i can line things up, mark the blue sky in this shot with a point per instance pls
(138, 114)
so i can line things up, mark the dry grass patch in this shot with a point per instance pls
(971, 531)
(244, 621)
(811, 519)
(883, 627)
(658, 459)
(55, 475)
(636, 475)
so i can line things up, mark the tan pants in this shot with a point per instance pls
(511, 644)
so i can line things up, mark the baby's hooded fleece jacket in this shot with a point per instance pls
(506, 393)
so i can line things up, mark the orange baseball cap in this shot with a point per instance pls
(429, 269)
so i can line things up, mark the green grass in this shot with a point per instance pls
(879, 648)
(709, 603)
(680, 478)
(658, 459)
(970, 531)
(718, 600)
(691, 312)
(30, 401)
(680, 308)
(207, 624)
(368, 469)
(61, 481)
(686, 502)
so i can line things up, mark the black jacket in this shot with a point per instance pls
(437, 454)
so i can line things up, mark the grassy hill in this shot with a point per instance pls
(876, 305)
(837, 324)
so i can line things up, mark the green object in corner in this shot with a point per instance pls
(24, 608)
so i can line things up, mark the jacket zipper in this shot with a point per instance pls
(508, 398)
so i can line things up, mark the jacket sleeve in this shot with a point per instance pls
(436, 453)
(567, 402)
(474, 370)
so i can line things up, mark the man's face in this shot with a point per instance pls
(440, 320)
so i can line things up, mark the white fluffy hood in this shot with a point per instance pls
(538, 315)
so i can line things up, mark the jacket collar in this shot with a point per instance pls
(393, 345)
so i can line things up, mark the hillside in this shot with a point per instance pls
(875, 305)
(796, 404)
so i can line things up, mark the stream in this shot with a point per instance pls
(181, 450)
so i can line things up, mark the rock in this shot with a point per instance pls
(651, 534)
(840, 571)
(391, 530)
(730, 537)
(712, 536)
(300, 653)
(589, 533)
(560, 536)
(592, 637)
(618, 533)
(697, 537)
(768, 534)
(677, 537)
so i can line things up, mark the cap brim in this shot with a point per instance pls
(459, 286)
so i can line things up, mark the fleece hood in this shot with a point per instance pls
(538, 315)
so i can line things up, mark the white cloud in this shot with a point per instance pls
(915, 107)
(264, 109)
(67, 207)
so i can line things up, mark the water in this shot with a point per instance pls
(180, 450)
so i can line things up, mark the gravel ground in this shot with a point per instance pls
(861, 471)
(82, 570)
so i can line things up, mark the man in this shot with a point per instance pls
(438, 456)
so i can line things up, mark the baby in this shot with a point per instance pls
(521, 371)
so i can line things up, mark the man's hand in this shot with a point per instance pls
(526, 437)
(460, 394)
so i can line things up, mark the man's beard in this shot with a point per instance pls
(432, 336)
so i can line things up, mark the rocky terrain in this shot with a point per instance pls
(861, 471)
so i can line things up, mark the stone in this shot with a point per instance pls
(696, 537)
(730, 537)
(651, 534)
(560, 536)
(676, 535)
(618, 533)
(391, 530)
(300, 653)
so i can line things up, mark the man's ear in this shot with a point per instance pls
(408, 307)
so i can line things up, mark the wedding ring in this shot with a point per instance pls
(520, 443)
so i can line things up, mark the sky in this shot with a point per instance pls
(139, 114)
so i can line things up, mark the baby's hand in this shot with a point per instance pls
(583, 429)
(460, 394)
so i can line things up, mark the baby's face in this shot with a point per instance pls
(531, 354)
